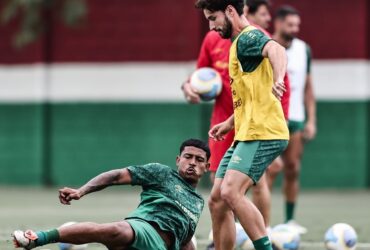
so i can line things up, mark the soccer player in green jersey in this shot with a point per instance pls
(166, 217)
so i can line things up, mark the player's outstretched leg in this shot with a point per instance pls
(115, 236)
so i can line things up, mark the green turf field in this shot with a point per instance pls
(23, 208)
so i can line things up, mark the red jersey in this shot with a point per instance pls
(214, 53)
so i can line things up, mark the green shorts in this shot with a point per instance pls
(251, 157)
(146, 237)
(295, 126)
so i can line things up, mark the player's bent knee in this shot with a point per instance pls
(229, 196)
(215, 203)
(121, 232)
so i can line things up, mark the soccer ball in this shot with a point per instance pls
(284, 237)
(67, 246)
(243, 241)
(340, 236)
(207, 82)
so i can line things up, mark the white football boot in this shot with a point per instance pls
(25, 240)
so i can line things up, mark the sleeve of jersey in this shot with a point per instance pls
(249, 49)
(148, 175)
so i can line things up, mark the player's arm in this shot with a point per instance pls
(309, 101)
(218, 131)
(278, 59)
(113, 177)
(310, 104)
(256, 45)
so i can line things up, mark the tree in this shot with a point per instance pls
(36, 15)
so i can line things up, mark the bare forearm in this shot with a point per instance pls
(230, 121)
(310, 102)
(277, 57)
(101, 181)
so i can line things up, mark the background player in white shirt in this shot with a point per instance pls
(302, 107)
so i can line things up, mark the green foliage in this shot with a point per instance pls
(35, 16)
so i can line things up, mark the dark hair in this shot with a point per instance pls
(253, 5)
(220, 5)
(196, 143)
(284, 11)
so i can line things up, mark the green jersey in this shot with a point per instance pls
(167, 199)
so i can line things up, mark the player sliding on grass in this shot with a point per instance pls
(257, 64)
(166, 217)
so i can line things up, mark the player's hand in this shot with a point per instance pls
(67, 194)
(309, 131)
(190, 94)
(278, 89)
(219, 131)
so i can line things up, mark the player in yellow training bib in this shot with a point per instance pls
(257, 65)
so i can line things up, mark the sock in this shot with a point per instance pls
(46, 237)
(289, 211)
(262, 244)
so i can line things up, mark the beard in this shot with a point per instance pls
(227, 29)
(288, 36)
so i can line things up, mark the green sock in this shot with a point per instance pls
(46, 237)
(262, 244)
(289, 210)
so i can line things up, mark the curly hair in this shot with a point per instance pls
(220, 5)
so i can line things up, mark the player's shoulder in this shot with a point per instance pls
(299, 42)
(300, 45)
(252, 33)
(157, 165)
(262, 30)
(212, 37)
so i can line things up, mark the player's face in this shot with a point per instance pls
(262, 17)
(290, 26)
(219, 22)
(192, 164)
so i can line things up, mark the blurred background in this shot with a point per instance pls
(86, 86)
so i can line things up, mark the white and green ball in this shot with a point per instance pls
(207, 82)
(284, 237)
(340, 236)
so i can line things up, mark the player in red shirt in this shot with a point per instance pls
(214, 53)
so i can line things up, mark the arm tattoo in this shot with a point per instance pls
(101, 181)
